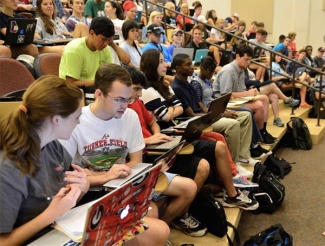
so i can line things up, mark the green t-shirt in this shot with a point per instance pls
(79, 62)
(93, 9)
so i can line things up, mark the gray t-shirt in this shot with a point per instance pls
(230, 78)
(59, 29)
(22, 198)
(263, 52)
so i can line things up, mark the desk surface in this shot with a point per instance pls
(52, 42)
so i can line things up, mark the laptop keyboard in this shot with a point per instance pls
(170, 144)
(185, 123)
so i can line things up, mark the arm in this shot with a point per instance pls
(87, 83)
(154, 127)
(122, 54)
(65, 199)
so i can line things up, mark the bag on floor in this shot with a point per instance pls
(274, 235)
(297, 135)
(269, 184)
(278, 166)
(266, 204)
(211, 214)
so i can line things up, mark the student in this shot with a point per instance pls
(231, 78)
(36, 186)
(183, 20)
(212, 18)
(154, 33)
(88, 53)
(160, 100)
(49, 26)
(156, 18)
(8, 11)
(60, 11)
(177, 38)
(107, 124)
(94, 8)
(130, 10)
(115, 13)
(130, 31)
(169, 16)
(77, 17)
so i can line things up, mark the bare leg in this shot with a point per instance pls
(51, 49)
(5, 51)
(29, 49)
(157, 234)
(223, 169)
(202, 173)
(216, 53)
(258, 111)
(272, 88)
(183, 191)
(81, 30)
(274, 100)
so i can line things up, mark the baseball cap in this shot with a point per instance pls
(176, 30)
(321, 49)
(202, 18)
(153, 28)
(236, 15)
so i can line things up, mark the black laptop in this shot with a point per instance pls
(20, 31)
(192, 132)
(216, 108)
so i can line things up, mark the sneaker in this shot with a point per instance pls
(259, 152)
(168, 243)
(305, 105)
(249, 161)
(291, 102)
(242, 183)
(278, 122)
(189, 225)
(243, 171)
(240, 201)
(267, 140)
(270, 136)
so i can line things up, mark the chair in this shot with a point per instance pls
(13, 76)
(47, 63)
(13, 96)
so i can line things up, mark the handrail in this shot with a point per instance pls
(321, 73)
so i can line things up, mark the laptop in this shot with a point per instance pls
(138, 16)
(192, 133)
(300, 71)
(187, 51)
(199, 54)
(106, 220)
(216, 108)
(144, 37)
(20, 31)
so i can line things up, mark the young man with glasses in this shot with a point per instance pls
(110, 133)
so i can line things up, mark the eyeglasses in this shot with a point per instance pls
(122, 100)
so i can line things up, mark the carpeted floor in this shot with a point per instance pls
(302, 214)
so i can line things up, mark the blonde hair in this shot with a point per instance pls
(183, 6)
(217, 25)
(153, 15)
(169, 5)
(234, 40)
(292, 34)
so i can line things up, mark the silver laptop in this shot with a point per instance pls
(187, 51)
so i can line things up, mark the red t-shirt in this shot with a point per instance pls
(144, 116)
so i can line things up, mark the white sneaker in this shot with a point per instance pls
(244, 172)
(250, 161)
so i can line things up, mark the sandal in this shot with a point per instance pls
(305, 105)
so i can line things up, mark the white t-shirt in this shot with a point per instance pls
(134, 53)
(101, 143)
(118, 27)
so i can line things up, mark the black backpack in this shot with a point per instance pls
(211, 214)
(297, 135)
(278, 166)
(274, 235)
(270, 193)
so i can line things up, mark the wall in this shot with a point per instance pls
(306, 17)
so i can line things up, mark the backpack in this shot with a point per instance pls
(274, 235)
(211, 214)
(269, 184)
(278, 166)
(297, 135)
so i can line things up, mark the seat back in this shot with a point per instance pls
(47, 63)
(13, 76)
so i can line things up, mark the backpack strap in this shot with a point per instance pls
(236, 237)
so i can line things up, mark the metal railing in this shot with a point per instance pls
(272, 53)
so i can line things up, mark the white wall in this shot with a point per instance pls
(306, 17)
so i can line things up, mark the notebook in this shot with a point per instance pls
(191, 134)
(216, 108)
(187, 51)
(106, 220)
(20, 31)
(199, 54)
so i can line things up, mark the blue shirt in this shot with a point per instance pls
(167, 57)
(186, 94)
(281, 48)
